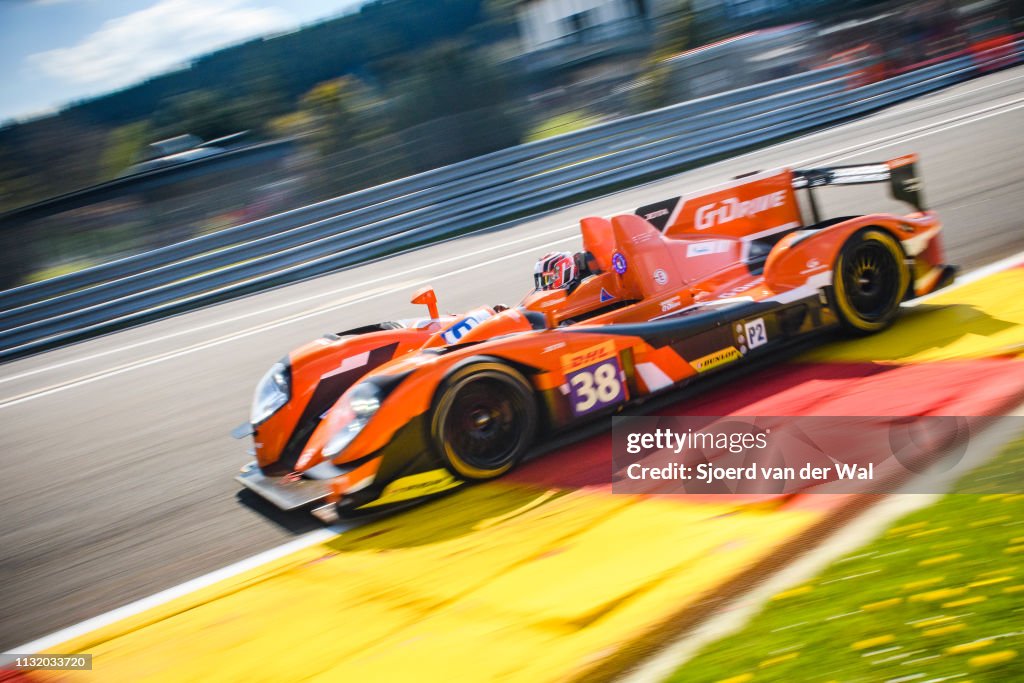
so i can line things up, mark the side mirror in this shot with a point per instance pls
(427, 297)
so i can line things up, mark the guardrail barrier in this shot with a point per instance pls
(506, 185)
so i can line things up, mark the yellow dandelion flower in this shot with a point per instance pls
(881, 604)
(1014, 589)
(969, 647)
(992, 658)
(923, 583)
(778, 660)
(940, 594)
(934, 621)
(994, 572)
(989, 582)
(989, 521)
(873, 642)
(966, 601)
(792, 592)
(943, 630)
(906, 527)
(741, 678)
(939, 559)
(928, 532)
(1014, 550)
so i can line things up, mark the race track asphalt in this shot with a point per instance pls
(117, 464)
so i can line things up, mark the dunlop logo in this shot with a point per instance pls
(714, 360)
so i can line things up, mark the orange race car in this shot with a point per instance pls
(388, 413)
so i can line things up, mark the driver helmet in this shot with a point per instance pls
(556, 270)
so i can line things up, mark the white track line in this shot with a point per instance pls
(304, 541)
(885, 141)
(998, 111)
(919, 132)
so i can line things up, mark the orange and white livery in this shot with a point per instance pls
(655, 300)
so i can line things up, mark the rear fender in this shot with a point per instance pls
(805, 258)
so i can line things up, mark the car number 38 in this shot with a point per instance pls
(596, 386)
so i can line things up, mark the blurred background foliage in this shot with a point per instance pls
(394, 65)
(394, 88)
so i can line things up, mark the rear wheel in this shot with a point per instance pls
(484, 420)
(870, 281)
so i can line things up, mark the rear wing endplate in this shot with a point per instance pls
(900, 173)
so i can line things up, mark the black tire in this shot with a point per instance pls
(870, 281)
(484, 420)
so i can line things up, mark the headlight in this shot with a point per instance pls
(360, 404)
(273, 392)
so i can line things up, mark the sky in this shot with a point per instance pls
(53, 52)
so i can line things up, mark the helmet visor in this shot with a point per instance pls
(544, 280)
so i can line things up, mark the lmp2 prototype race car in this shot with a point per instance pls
(384, 414)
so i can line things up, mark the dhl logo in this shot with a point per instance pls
(588, 356)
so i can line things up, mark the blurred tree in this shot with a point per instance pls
(678, 30)
(204, 113)
(337, 113)
(452, 80)
(500, 22)
(265, 98)
(50, 156)
(675, 30)
(124, 147)
(248, 86)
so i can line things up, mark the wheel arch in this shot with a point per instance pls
(804, 256)
(487, 360)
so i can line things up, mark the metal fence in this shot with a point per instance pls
(496, 188)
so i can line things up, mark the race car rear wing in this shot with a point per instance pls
(761, 201)
(900, 173)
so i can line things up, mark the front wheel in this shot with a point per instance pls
(870, 281)
(484, 420)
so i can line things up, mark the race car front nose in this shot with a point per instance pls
(288, 492)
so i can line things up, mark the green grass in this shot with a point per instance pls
(940, 594)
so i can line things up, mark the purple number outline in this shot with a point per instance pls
(598, 404)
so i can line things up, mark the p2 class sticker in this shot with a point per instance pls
(606, 295)
(661, 277)
(755, 332)
(619, 263)
(596, 386)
